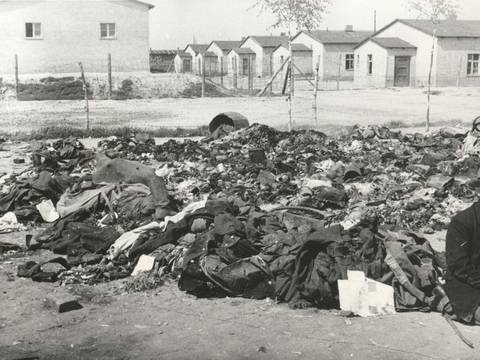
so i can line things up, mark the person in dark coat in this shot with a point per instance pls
(463, 265)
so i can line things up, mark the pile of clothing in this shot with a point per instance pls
(255, 212)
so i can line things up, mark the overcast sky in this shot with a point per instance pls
(173, 23)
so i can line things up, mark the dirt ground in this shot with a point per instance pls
(169, 324)
(345, 107)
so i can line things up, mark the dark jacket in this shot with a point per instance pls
(463, 263)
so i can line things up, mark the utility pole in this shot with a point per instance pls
(375, 21)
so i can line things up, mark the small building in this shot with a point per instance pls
(162, 61)
(183, 62)
(385, 62)
(221, 49)
(456, 56)
(263, 47)
(54, 36)
(240, 60)
(195, 50)
(333, 51)
(302, 56)
(209, 61)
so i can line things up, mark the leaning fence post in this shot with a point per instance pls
(85, 91)
(109, 76)
(16, 75)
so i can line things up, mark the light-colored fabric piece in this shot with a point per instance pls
(47, 211)
(365, 297)
(127, 240)
(70, 203)
(9, 223)
(145, 264)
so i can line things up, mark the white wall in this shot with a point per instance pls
(392, 53)
(334, 57)
(378, 77)
(423, 42)
(71, 34)
(302, 60)
(180, 66)
(383, 65)
(317, 51)
(196, 67)
(278, 55)
(211, 64)
(452, 61)
(221, 57)
(239, 59)
(259, 56)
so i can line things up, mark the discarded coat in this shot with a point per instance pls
(132, 172)
(463, 263)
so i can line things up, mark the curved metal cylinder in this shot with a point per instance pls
(234, 119)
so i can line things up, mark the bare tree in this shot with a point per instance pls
(294, 15)
(433, 10)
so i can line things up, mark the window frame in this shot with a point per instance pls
(472, 60)
(108, 35)
(34, 36)
(349, 60)
(369, 64)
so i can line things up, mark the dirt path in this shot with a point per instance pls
(346, 107)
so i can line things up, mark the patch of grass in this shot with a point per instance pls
(50, 88)
(400, 124)
(143, 282)
(397, 124)
(195, 90)
(57, 132)
(433, 92)
(125, 91)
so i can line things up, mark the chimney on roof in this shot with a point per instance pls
(349, 28)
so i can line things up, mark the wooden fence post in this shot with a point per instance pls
(235, 73)
(250, 79)
(16, 75)
(269, 84)
(221, 70)
(339, 71)
(315, 94)
(459, 74)
(85, 91)
(203, 77)
(287, 77)
(109, 76)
